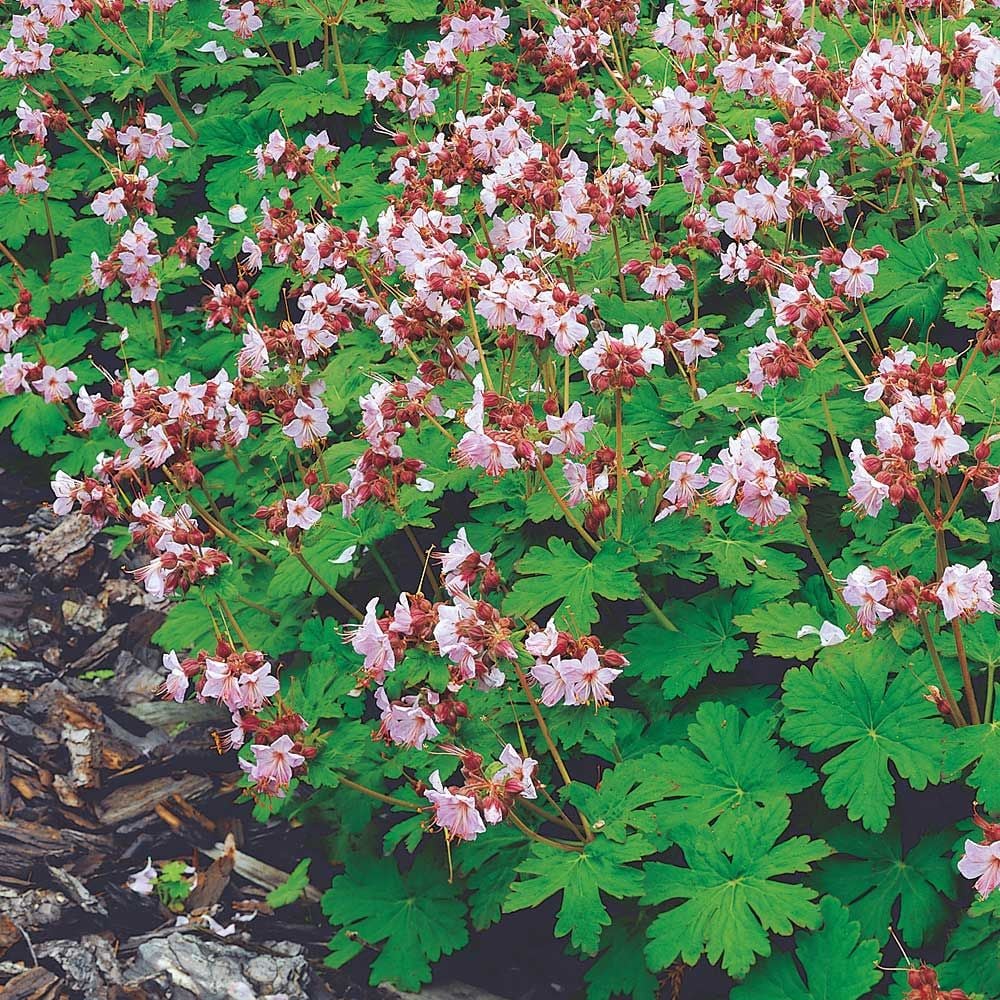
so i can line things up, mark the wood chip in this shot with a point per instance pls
(131, 801)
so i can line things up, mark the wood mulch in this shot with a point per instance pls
(97, 774)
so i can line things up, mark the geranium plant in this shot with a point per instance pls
(566, 435)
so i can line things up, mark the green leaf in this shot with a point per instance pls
(832, 963)
(620, 970)
(884, 887)
(776, 625)
(314, 91)
(37, 425)
(415, 918)
(560, 575)
(732, 768)
(979, 745)
(847, 702)
(293, 888)
(730, 896)
(581, 877)
(706, 639)
(619, 802)
(404, 11)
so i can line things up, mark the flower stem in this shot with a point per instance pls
(389, 800)
(169, 97)
(560, 845)
(160, 335)
(332, 591)
(619, 463)
(474, 330)
(963, 660)
(339, 63)
(956, 712)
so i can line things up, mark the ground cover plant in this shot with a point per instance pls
(566, 437)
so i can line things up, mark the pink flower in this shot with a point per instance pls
(992, 494)
(519, 769)
(456, 814)
(222, 684)
(685, 481)
(243, 20)
(477, 450)
(405, 722)
(568, 431)
(592, 681)
(300, 513)
(866, 491)
(738, 216)
(966, 591)
(558, 679)
(176, 684)
(981, 862)
(937, 445)
(855, 274)
(760, 503)
(310, 425)
(54, 384)
(143, 881)
(698, 344)
(271, 770)
(866, 592)
(369, 641)
(257, 687)
(184, 400)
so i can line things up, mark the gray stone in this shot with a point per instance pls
(217, 970)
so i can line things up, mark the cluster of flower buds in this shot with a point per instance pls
(166, 424)
(989, 337)
(570, 670)
(279, 156)
(923, 985)
(144, 137)
(486, 795)
(618, 363)
(500, 434)
(195, 245)
(245, 684)
(18, 322)
(181, 556)
(963, 592)
(132, 194)
(580, 39)
(130, 262)
(749, 474)
(97, 499)
(387, 411)
(468, 28)
(919, 433)
(36, 123)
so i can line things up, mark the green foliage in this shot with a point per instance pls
(847, 702)
(412, 918)
(832, 963)
(581, 879)
(729, 893)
